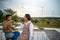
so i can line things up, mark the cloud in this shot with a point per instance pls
(34, 7)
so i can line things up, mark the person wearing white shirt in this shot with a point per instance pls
(27, 20)
(30, 29)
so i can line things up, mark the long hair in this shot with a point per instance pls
(28, 16)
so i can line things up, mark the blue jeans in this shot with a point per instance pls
(16, 35)
(12, 35)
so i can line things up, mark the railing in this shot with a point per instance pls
(2, 36)
(37, 34)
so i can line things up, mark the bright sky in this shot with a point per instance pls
(36, 8)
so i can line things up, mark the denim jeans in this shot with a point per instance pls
(12, 35)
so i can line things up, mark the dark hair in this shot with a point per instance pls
(28, 16)
(8, 16)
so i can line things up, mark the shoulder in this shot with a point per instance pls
(4, 22)
(31, 24)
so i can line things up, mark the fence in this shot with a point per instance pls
(38, 35)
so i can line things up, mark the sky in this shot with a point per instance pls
(36, 8)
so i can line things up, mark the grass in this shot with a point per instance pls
(52, 24)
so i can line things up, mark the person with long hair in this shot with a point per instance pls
(27, 33)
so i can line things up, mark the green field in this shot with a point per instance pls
(47, 23)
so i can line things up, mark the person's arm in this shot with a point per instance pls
(10, 26)
(21, 25)
(4, 25)
(31, 31)
(13, 27)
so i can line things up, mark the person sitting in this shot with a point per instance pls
(9, 30)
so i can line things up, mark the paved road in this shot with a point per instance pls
(53, 35)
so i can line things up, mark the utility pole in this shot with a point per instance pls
(52, 13)
(42, 11)
(22, 9)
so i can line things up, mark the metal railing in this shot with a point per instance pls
(37, 35)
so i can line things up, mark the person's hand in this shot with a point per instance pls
(10, 21)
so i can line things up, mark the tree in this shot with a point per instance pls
(13, 13)
(36, 21)
(15, 18)
(10, 11)
(33, 20)
(1, 16)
